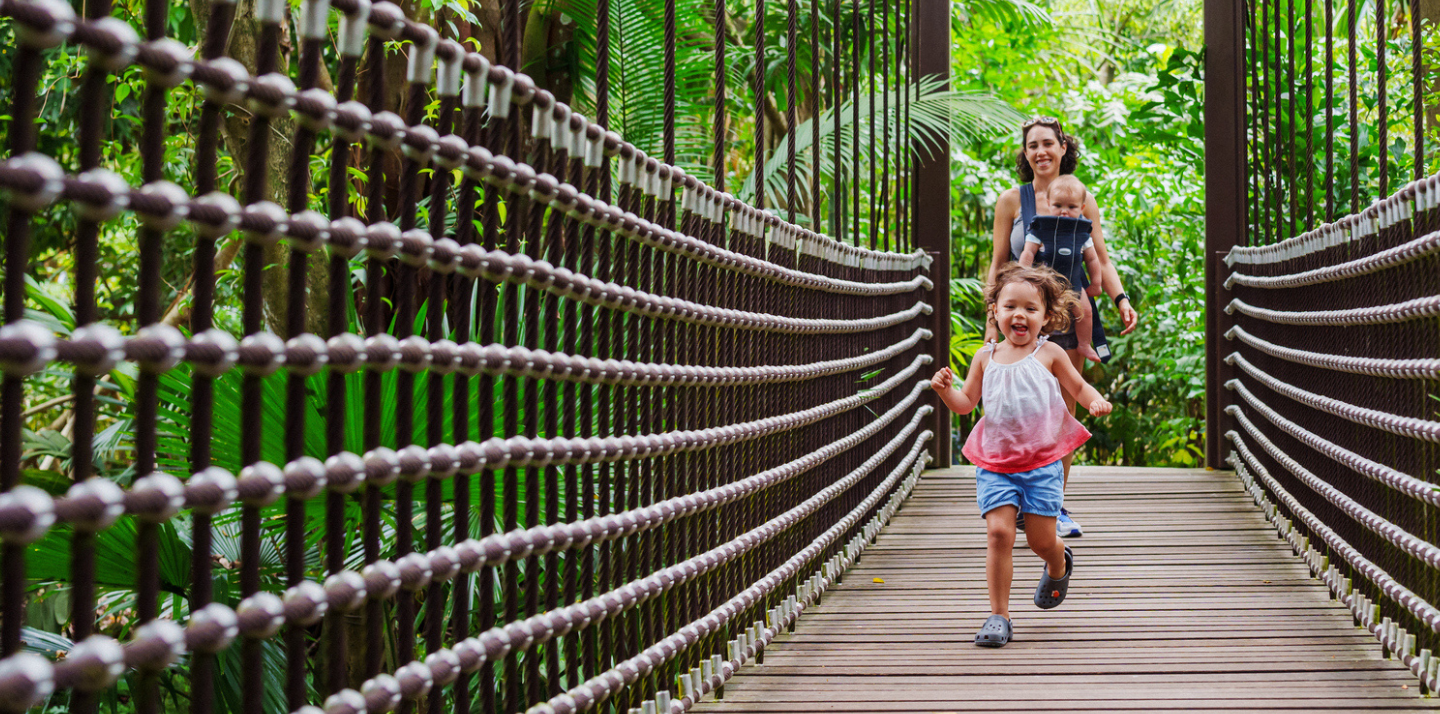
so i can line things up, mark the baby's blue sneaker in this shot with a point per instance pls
(1066, 527)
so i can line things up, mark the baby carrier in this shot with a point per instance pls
(1073, 238)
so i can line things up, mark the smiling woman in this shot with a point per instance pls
(1047, 153)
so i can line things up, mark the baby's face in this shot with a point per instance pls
(1067, 203)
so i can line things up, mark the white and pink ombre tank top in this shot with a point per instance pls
(1026, 424)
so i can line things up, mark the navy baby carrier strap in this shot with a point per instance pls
(1027, 216)
(1027, 206)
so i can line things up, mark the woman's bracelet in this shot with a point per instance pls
(1118, 298)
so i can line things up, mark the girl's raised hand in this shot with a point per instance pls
(943, 380)
(1099, 407)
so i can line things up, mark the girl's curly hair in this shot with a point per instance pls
(1060, 301)
(1068, 163)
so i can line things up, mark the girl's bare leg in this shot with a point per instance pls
(1000, 556)
(1079, 362)
(1084, 326)
(1040, 536)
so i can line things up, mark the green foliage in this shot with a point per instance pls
(1124, 77)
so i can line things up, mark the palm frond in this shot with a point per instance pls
(935, 113)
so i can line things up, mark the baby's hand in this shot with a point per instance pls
(943, 380)
(1099, 407)
(1093, 290)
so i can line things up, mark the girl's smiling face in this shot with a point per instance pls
(1043, 150)
(1020, 312)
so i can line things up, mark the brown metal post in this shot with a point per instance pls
(931, 205)
(1224, 196)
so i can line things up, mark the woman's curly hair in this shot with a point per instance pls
(1068, 162)
(1060, 301)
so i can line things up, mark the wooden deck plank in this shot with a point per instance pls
(1184, 600)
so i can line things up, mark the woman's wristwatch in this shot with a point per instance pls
(1118, 298)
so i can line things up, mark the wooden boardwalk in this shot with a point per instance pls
(1183, 600)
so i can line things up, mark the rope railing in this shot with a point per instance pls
(579, 431)
(1328, 361)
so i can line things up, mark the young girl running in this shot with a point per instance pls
(1026, 430)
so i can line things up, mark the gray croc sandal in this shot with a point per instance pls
(996, 632)
(1051, 592)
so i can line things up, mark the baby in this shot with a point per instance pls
(1058, 248)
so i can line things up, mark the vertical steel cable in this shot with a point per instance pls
(1417, 74)
(436, 330)
(297, 200)
(1294, 206)
(510, 334)
(1382, 148)
(759, 89)
(151, 246)
(1329, 111)
(884, 186)
(1354, 110)
(870, 109)
(1252, 141)
(837, 183)
(791, 42)
(96, 93)
(405, 313)
(1309, 112)
(816, 108)
(376, 272)
(604, 639)
(1266, 228)
(336, 636)
(465, 292)
(27, 67)
(855, 123)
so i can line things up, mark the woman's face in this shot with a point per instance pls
(1043, 150)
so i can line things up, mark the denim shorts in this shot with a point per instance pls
(1040, 491)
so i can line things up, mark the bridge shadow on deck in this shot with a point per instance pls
(1183, 600)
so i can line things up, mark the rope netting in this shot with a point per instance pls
(617, 429)
(1333, 386)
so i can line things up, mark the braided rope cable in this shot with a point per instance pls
(269, 89)
(1384, 421)
(1392, 368)
(1417, 309)
(599, 688)
(1415, 197)
(1411, 251)
(1372, 521)
(306, 602)
(538, 629)
(1417, 606)
(33, 175)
